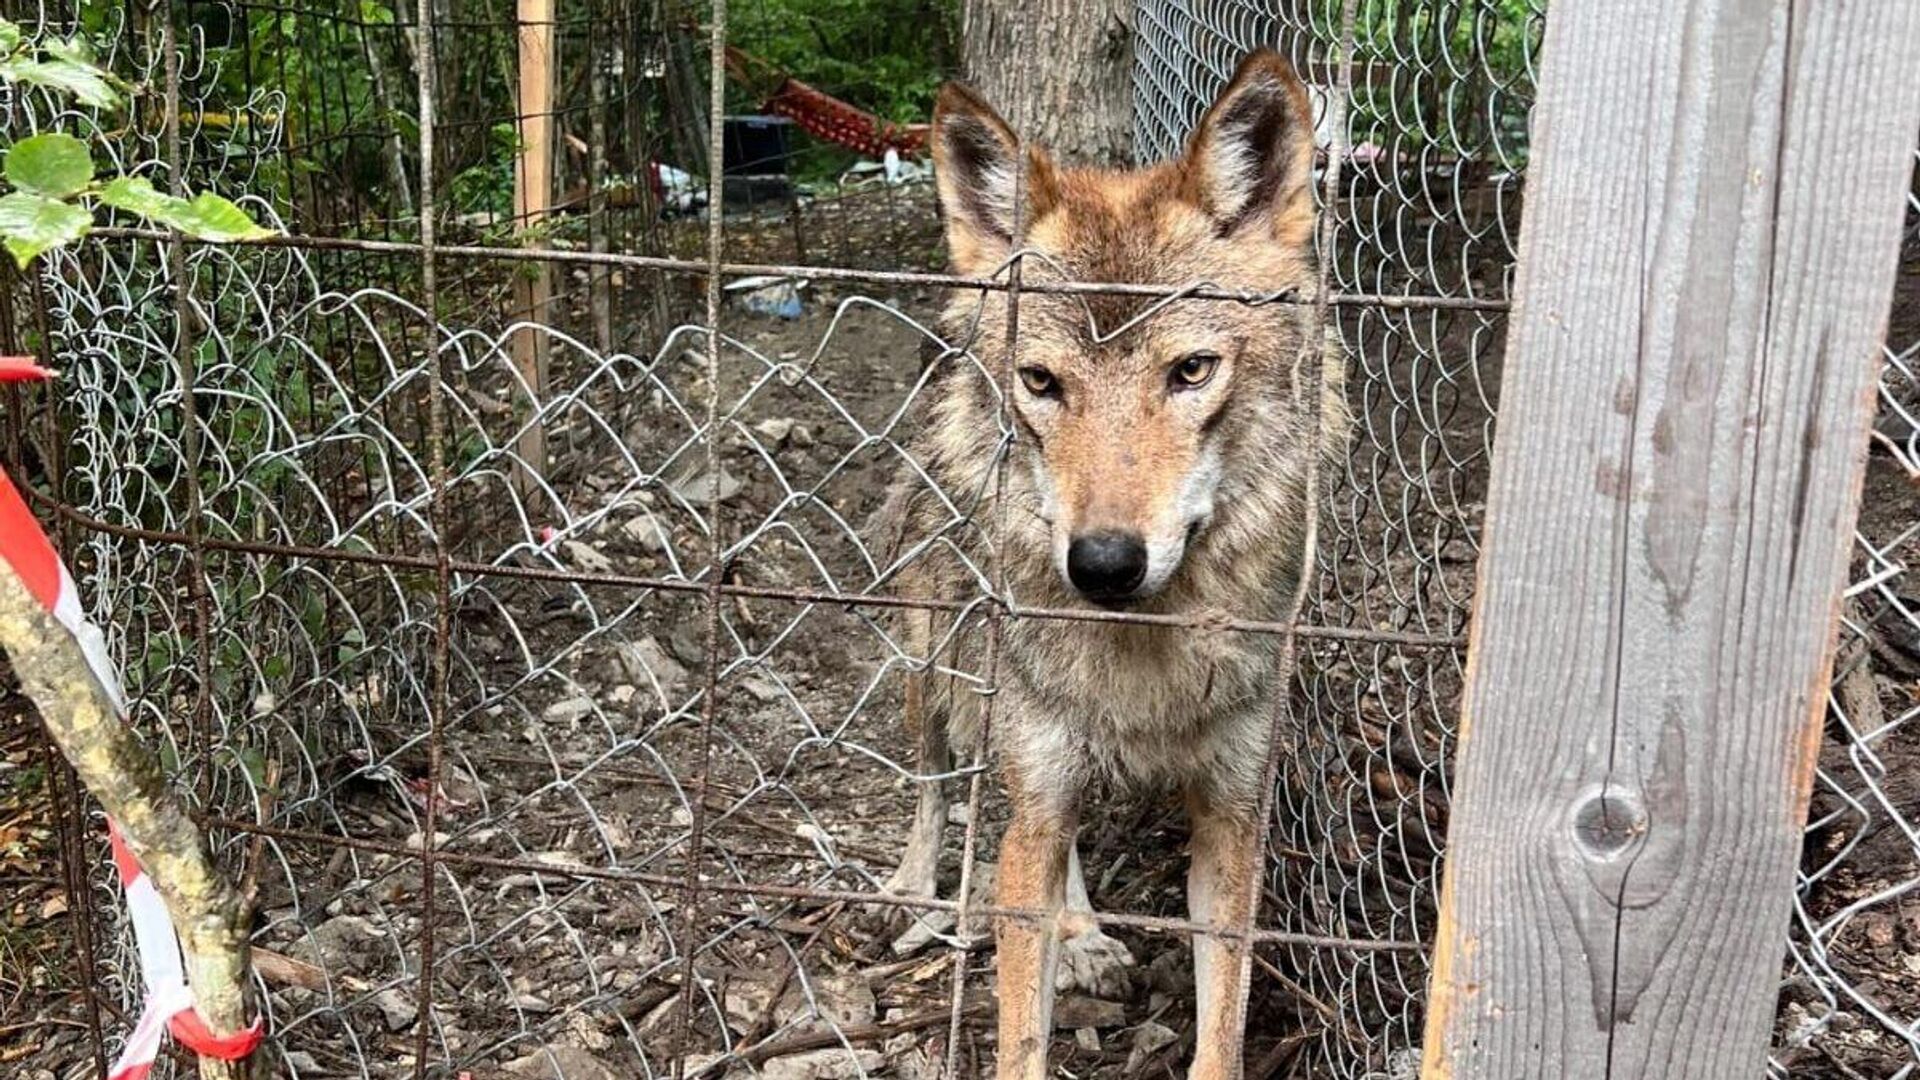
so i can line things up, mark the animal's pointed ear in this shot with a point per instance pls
(974, 163)
(1250, 161)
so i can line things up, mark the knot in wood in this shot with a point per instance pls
(1609, 823)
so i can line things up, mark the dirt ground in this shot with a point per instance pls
(561, 922)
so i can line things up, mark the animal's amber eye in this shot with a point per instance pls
(1193, 371)
(1039, 382)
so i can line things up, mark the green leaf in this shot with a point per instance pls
(86, 83)
(53, 164)
(9, 38)
(207, 216)
(210, 217)
(136, 194)
(72, 50)
(30, 224)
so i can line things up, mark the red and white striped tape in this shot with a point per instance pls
(21, 369)
(28, 551)
(170, 1005)
(169, 1002)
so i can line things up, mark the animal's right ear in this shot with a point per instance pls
(1250, 160)
(975, 167)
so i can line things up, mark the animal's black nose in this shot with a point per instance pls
(1107, 565)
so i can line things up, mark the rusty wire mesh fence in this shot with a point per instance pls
(594, 766)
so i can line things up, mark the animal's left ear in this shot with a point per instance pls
(1250, 162)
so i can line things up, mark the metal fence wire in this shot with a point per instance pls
(594, 766)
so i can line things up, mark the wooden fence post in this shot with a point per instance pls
(532, 197)
(1713, 215)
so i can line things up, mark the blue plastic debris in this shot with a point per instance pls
(776, 296)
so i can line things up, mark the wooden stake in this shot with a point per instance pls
(532, 199)
(1714, 198)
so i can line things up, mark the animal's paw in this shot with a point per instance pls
(1093, 963)
(912, 929)
(916, 876)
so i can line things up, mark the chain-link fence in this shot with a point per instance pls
(1428, 212)
(594, 765)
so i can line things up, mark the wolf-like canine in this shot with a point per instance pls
(1157, 467)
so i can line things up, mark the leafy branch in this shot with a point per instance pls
(55, 188)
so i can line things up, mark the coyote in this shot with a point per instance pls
(1160, 461)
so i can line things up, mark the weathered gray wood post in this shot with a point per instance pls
(1713, 213)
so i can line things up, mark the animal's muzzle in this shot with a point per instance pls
(1107, 566)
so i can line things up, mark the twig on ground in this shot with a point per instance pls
(822, 1040)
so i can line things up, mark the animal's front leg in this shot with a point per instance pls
(919, 871)
(1220, 893)
(1090, 960)
(1032, 875)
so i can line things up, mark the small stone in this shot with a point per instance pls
(1087, 1039)
(689, 641)
(1148, 1039)
(562, 1062)
(907, 1055)
(701, 488)
(776, 429)
(831, 1064)
(1171, 972)
(397, 1008)
(746, 1001)
(785, 431)
(646, 531)
(819, 838)
(586, 558)
(648, 664)
(568, 710)
(841, 1001)
(338, 939)
(763, 689)
(661, 1018)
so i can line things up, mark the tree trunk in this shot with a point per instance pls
(1060, 71)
